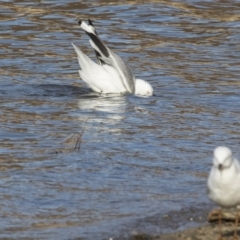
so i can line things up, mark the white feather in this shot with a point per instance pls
(224, 178)
(114, 75)
(103, 79)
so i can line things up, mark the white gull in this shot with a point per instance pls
(224, 181)
(110, 74)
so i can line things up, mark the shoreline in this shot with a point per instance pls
(186, 224)
(209, 231)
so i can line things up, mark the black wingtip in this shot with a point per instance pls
(94, 37)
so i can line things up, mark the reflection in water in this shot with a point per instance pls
(113, 107)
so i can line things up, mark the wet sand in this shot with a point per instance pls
(206, 232)
(191, 224)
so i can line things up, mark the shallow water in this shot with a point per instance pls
(139, 157)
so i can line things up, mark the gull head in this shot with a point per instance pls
(222, 158)
(143, 88)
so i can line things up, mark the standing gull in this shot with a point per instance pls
(224, 182)
(110, 74)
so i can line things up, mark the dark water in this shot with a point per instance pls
(139, 157)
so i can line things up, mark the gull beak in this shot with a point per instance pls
(220, 167)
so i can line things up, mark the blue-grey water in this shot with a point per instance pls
(139, 157)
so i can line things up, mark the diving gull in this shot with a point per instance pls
(110, 74)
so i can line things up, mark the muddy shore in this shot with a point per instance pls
(207, 232)
(187, 224)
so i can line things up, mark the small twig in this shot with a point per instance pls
(79, 140)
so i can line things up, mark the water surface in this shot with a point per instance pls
(139, 157)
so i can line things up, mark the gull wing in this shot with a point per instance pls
(100, 61)
(105, 55)
(98, 77)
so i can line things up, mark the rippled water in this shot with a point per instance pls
(139, 157)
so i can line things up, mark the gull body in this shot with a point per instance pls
(110, 74)
(224, 179)
(224, 183)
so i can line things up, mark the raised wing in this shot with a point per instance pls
(106, 56)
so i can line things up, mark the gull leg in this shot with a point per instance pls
(220, 223)
(236, 226)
